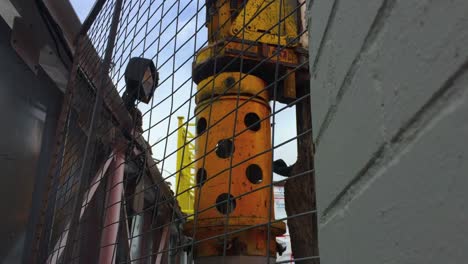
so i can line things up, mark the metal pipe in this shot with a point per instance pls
(91, 17)
(107, 254)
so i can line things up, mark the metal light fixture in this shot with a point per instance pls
(141, 79)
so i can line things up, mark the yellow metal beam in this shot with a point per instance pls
(185, 176)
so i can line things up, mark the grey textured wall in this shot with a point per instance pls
(390, 114)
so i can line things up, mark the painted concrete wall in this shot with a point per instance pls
(390, 114)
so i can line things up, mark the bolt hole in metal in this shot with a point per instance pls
(225, 148)
(251, 121)
(225, 203)
(229, 82)
(201, 125)
(254, 173)
(201, 176)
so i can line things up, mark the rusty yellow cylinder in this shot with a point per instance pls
(233, 168)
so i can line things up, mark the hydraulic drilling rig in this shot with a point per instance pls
(254, 56)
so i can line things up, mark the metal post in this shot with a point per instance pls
(90, 142)
(91, 17)
(57, 152)
(107, 254)
(303, 229)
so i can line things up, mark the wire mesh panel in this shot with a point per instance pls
(185, 136)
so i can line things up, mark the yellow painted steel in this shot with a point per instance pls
(251, 149)
(264, 21)
(258, 31)
(225, 84)
(185, 178)
(233, 145)
(267, 53)
(267, 22)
